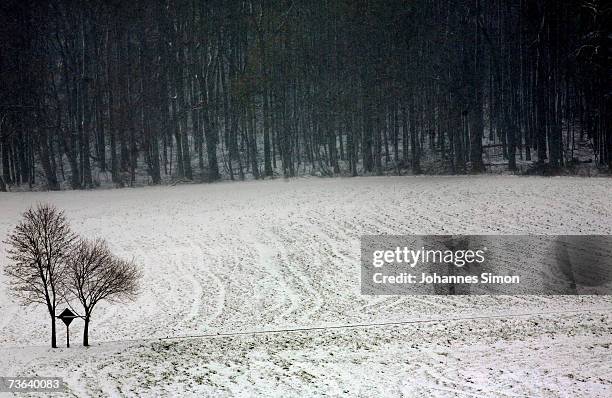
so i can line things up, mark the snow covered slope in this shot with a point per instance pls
(284, 254)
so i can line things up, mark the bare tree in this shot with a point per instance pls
(38, 248)
(95, 274)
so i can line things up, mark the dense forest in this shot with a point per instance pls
(204, 90)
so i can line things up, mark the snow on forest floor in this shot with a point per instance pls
(284, 254)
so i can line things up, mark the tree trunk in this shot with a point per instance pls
(86, 331)
(52, 183)
(53, 330)
(266, 126)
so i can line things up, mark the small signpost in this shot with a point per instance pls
(67, 316)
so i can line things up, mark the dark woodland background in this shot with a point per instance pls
(117, 91)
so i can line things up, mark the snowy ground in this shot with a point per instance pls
(230, 258)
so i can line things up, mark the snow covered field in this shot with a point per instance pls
(224, 260)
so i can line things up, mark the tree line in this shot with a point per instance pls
(203, 90)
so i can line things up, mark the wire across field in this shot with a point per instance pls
(380, 324)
